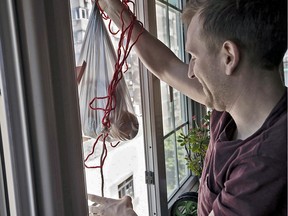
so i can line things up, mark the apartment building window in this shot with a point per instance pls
(126, 188)
(80, 13)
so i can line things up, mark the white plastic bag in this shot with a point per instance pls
(100, 57)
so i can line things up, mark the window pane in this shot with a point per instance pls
(174, 104)
(176, 33)
(176, 44)
(176, 169)
(180, 107)
(162, 24)
(176, 3)
(181, 154)
(126, 188)
(171, 166)
(167, 109)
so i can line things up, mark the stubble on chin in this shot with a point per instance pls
(208, 104)
(214, 102)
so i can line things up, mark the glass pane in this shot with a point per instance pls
(181, 154)
(180, 108)
(176, 33)
(171, 165)
(174, 104)
(128, 158)
(176, 3)
(167, 109)
(162, 31)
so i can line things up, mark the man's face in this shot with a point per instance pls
(205, 65)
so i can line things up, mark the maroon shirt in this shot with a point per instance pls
(246, 177)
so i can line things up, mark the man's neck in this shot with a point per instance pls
(253, 105)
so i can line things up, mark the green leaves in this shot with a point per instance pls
(196, 144)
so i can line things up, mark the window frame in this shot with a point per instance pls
(152, 112)
(189, 112)
(38, 152)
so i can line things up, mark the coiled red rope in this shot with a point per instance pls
(123, 51)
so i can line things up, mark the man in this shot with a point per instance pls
(236, 49)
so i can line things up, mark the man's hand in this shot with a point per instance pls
(110, 207)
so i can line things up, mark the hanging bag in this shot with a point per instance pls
(105, 107)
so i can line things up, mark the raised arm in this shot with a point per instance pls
(157, 57)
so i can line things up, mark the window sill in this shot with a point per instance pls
(191, 184)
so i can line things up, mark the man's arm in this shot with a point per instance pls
(157, 57)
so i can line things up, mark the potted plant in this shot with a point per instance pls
(196, 143)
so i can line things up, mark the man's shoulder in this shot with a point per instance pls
(274, 140)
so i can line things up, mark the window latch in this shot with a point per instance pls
(149, 177)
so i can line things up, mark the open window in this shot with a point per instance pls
(41, 148)
(158, 155)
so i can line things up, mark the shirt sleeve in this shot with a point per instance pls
(255, 186)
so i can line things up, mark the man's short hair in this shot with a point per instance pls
(258, 27)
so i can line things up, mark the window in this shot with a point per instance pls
(128, 158)
(80, 13)
(126, 188)
(41, 139)
(174, 104)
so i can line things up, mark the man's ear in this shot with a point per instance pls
(231, 56)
